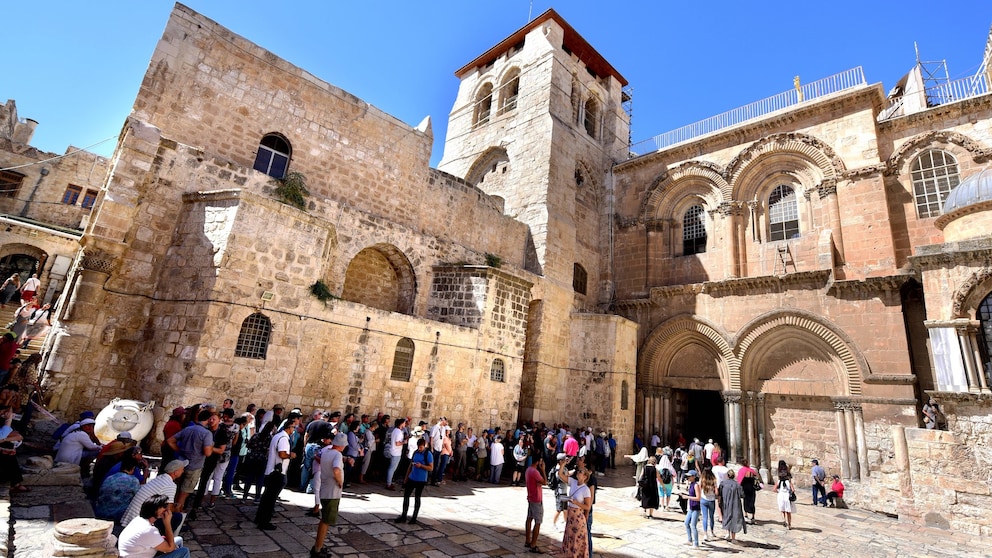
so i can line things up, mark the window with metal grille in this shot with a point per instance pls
(89, 199)
(253, 341)
(71, 194)
(934, 174)
(693, 231)
(403, 360)
(624, 398)
(509, 92)
(497, 372)
(579, 278)
(273, 156)
(783, 213)
(483, 104)
(10, 184)
(984, 316)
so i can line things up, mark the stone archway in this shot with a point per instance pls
(382, 277)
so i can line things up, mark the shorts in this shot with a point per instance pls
(665, 490)
(329, 511)
(190, 480)
(520, 467)
(535, 511)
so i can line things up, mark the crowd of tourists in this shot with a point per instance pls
(212, 452)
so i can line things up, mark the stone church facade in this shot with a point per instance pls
(792, 285)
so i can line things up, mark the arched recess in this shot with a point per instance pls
(662, 190)
(486, 163)
(687, 343)
(382, 277)
(26, 249)
(898, 162)
(799, 346)
(970, 293)
(793, 153)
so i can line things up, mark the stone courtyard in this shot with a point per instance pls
(475, 520)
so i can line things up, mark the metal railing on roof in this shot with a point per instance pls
(848, 79)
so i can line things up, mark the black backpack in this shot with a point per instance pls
(553, 480)
(666, 476)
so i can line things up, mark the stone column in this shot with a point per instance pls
(852, 442)
(827, 191)
(729, 211)
(972, 355)
(646, 414)
(750, 440)
(666, 415)
(845, 468)
(762, 439)
(967, 354)
(735, 431)
(862, 443)
(656, 242)
(92, 272)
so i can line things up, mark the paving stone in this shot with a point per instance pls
(31, 512)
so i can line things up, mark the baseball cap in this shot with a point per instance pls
(86, 415)
(690, 473)
(341, 439)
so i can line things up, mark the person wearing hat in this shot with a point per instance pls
(836, 493)
(818, 477)
(117, 491)
(78, 447)
(109, 457)
(693, 494)
(421, 464)
(560, 488)
(330, 463)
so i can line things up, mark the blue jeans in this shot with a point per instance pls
(232, 470)
(394, 462)
(439, 472)
(691, 526)
(496, 471)
(819, 488)
(709, 515)
(181, 552)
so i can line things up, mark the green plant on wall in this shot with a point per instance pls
(492, 260)
(292, 190)
(320, 290)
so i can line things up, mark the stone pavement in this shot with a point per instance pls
(474, 519)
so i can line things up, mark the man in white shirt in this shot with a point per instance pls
(437, 443)
(708, 452)
(29, 288)
(78, 446)
(275, 472)
(140, 538)
(162, 485)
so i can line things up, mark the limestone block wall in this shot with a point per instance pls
(949, 288)
(801, 429)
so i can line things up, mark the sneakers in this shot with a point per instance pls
(399, 519)
(267, 527)
(412, 521)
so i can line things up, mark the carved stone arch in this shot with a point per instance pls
(900, 158)
(591, 180)
(808, 148)
(661, 187)
(484, 164)
(971, 293)
(381, 276)
(668, 338)
(26, 249)
(852, 363)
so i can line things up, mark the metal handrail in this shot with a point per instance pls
(848, 79)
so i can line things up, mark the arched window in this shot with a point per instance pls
(579, 278)
(253, 341)
(483, 104)
(273, 156)
(984, 316)
(590, 118)
(694, 231)
(624, 398)
(402, 360)
(497, 372)
(934, 174)
(783, 213)
(509, 91)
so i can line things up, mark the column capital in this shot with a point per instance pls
(846, 405)
(731, 396)
(94, 259)
(826, 188)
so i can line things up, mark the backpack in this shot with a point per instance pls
(553, 480)
(666, 476)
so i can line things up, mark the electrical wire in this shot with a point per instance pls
(57, 157)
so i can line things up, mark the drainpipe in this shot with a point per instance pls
(27, 204)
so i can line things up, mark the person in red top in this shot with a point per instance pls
(571, 445)
(534, 479)
(836, 491)
(171, 428)
(8, 348)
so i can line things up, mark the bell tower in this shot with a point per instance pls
(538, 122)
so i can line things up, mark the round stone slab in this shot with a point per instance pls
(83, 531)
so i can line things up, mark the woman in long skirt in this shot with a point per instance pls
(729, 496)
(784, 490)
(649, 488)
(749, 481)
(575, 543)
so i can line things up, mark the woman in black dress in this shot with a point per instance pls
(649, 488)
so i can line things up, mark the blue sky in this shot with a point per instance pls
(75, 67)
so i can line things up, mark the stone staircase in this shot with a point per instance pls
(6, 317)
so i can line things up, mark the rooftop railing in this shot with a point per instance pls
(849, 79)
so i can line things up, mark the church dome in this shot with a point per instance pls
(975, 189)
(968, 209)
